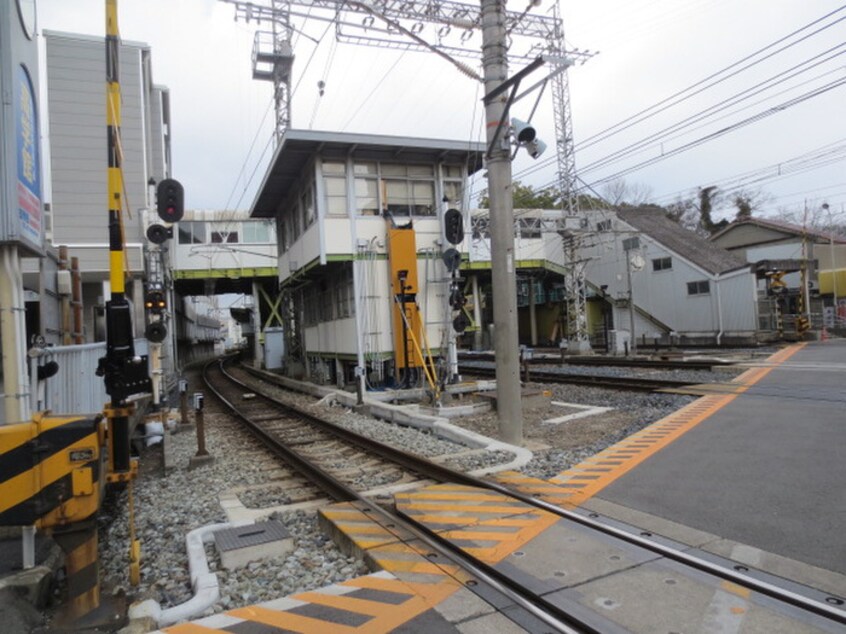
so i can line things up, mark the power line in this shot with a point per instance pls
(719, 133)
(710, 111)
(668, 102)
(736, 126)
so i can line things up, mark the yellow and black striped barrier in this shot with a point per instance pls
(50, 477)
(49, 471)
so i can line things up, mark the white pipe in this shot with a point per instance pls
(13, 336)
(203, 583)
(719, 311)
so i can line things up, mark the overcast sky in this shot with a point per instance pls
(649, 50)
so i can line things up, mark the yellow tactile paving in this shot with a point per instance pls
(289, 621)
(594, 474)
(190, 628)
(499, 514)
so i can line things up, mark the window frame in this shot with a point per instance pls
(662, 264)
(694, 288)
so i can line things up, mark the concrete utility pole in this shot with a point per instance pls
(508, 401)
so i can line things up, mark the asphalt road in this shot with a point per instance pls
(767, 470)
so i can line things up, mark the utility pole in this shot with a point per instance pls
(495, 66)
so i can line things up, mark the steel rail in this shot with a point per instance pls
(607, 361)
(529, 601)
(613, 382)
(438, 472)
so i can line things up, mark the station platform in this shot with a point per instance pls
(731, 477)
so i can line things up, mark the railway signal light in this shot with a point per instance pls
(155, 301)
(457, 298)
(158, 234)
(156, 332)
(170, 200)
(460, 323)
(452, 259)
(453, 226)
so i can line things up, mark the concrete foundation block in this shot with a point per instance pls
(253, 542)
(195, 462)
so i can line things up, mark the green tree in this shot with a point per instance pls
(527, 197)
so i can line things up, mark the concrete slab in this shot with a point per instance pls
(661, 596)
(672, 530)
(490, 623)
(784, 567)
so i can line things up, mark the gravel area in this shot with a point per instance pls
(314, 563)
(559, 446)
(168, 506)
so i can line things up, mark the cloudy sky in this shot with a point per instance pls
(766, 111)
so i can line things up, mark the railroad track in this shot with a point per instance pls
(637, 384)
(626, 362)
(262, 414)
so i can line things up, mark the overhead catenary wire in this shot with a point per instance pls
(716, 134)
(694, 89)
(702, 85)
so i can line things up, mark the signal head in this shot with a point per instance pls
(170, 200)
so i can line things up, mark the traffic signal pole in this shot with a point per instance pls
(508, 401)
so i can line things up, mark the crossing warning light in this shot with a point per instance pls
(170, 200)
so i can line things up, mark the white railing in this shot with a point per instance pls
(75, 389)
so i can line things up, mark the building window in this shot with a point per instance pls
(307, 205)
(282, 232)
(664, 264)
(366, 189)
(294, 218)
(221, 237)
(701, 287)
(311, 306)
(344, 304)
(335, 185)
(604, 225)
(409, 189)
(529, 227)
(257, 232)
(191, 232)
(454, 193)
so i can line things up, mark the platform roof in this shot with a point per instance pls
(298, 146)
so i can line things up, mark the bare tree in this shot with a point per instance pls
(620, 193)
(748, 202)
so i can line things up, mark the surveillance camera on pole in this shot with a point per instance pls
(536, 148)
(526, 136)
(523, 132)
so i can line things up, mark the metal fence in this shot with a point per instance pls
(75, 389)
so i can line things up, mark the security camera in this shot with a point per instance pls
(536, 148)
(524, 132)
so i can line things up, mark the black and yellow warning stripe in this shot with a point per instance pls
(115, 175)
(49, 471)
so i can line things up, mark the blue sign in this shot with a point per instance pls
(28, 159)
